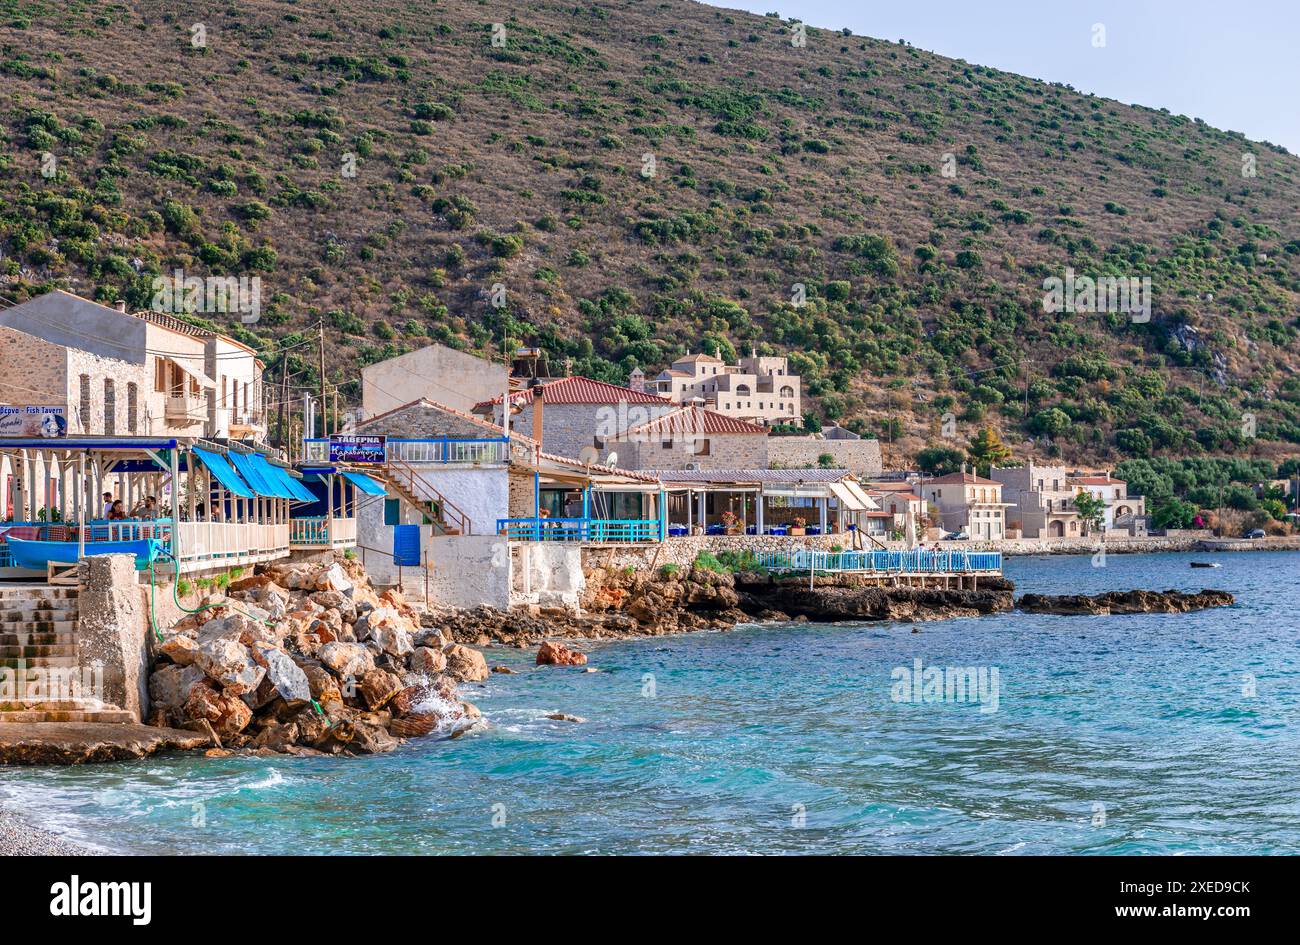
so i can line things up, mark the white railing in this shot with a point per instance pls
(226, 544)
(426, 452)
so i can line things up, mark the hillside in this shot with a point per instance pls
(529, 166)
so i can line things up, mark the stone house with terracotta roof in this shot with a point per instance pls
(968, 503)
(577, 417)
(759, 389)
(692, 437)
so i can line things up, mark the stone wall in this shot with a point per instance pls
(113, 629)
(724, 451)
(427, 421)
(860, 457)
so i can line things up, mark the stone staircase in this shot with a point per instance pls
(38, 631)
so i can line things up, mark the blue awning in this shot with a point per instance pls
(365, 483)
(290, 488)
(218, 466)
(254, 475)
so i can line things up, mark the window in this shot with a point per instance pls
(110, 407)
(787, 391)
(83, 407)
(132, 405)
(742, 390)
(666, 444)
(159, 375)
(392, 511)
(701, 447)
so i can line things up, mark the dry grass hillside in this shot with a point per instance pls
(645, 178)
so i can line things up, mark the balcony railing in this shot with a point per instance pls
(187, 407)
(476, 452)
(593, 530)
(318, 531)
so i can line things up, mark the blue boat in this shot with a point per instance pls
(38, 554)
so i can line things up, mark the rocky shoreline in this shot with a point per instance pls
(1124, 602)
(307, 659)
(621, 604)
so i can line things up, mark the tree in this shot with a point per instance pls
(939, 460)
(1174, 513)
(1092, 511)
(986, 450)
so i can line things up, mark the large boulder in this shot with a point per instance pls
(289, 680)
(553, 654)
(378, 686)
(229, 663)
(390, 630)
(323, 686)
(180, 649)
(333, 579)
(226, 713)
(346, 659)
(427, 661)
(465, 664)
(170, 685)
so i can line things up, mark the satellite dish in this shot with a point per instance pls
(588, 455)
(611, 459)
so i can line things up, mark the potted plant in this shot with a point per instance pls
(799, 526)
(731, 522)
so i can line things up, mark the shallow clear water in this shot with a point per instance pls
(786, 739)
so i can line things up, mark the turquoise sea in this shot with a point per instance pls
(1121, 735)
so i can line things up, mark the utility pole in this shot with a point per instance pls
(284, 401)
(320, 326)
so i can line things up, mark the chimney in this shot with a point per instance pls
(120, 305)
(539, 408)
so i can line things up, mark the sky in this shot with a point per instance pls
(1234, 64)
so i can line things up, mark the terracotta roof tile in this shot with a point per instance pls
(579, 390)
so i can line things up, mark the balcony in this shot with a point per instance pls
(606, 531)
(183, 408)
(320, 532)
(430, 452)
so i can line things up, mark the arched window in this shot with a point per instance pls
(110, 407)
(83, 405)
(742, 390)
(787, 391)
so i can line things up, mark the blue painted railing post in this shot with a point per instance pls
(537, 506)
(663, 515)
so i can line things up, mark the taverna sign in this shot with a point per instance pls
(33, 421)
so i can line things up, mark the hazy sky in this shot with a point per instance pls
(1235, 64)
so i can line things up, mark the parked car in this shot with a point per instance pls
(1255, 533)
(956, 536)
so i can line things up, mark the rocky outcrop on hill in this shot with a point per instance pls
(306, 659)
(1124, 602)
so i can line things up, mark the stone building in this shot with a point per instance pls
(119, 373)
(577, 417)
(759, 389)
(435, 373)
(692, 438)
(968, 504)
(1122, 510)
(1041, 499)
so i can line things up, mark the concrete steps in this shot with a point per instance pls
(38, 631)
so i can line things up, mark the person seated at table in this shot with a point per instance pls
(201, 512)
(108, 503)
(115, 511)
(146, 509)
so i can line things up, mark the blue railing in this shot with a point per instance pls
(605, 530)
(130, 529)
(885, 562)
(442, 450)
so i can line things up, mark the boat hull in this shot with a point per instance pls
(37, 555)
